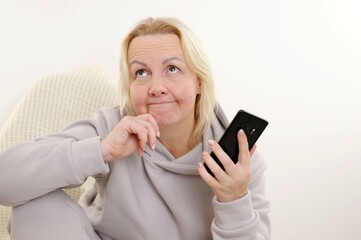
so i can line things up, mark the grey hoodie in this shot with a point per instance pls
(150, 197)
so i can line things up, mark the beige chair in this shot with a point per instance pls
(49, 105)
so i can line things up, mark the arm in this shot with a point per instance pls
(244, 218)
(66, 159)
(240, 207)
(32, 169)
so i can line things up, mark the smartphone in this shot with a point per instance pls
(252, 125)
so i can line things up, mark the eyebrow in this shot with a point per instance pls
(138, 62)
(164, 62)
(170, 59)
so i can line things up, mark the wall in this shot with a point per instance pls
(295, 63)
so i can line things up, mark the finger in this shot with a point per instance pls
(244, 155)
(150, 136)
(153, 128)
(228, 164)
(211, 181)
(144, 130)
(217, 171)
(149, 118)
(141, 132)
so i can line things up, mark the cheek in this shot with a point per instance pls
(187, 94)
(137, 98)
(190, 90)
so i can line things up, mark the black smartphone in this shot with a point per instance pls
(252, 125)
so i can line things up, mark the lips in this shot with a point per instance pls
(161, 105)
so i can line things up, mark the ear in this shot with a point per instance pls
(199, 86)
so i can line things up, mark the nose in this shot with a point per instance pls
(157, 87)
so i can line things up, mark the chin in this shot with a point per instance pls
(164, 119)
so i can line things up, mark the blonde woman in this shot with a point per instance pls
(146, 156)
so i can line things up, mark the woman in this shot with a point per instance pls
(146, 156)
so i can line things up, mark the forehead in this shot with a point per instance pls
(150, 45)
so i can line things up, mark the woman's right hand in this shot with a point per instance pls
(131, 134)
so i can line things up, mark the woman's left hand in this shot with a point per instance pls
(231, 183)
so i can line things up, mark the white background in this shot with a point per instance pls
(295, 63)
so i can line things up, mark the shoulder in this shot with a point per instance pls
(111, 114)
(100, 123)
(107, 118)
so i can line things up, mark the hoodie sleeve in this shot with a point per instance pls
(65, 159)
(247, 217)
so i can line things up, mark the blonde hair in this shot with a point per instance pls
(195, 59)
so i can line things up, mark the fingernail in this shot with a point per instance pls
(211, 142)
(158, 134)
(153, 147)
(200, 164)
(204, 153)
(241, 131)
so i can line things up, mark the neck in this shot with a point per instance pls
(176, 139)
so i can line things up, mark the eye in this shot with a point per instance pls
(173, 69)
(141, 73)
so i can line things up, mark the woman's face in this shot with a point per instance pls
(160, 81)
